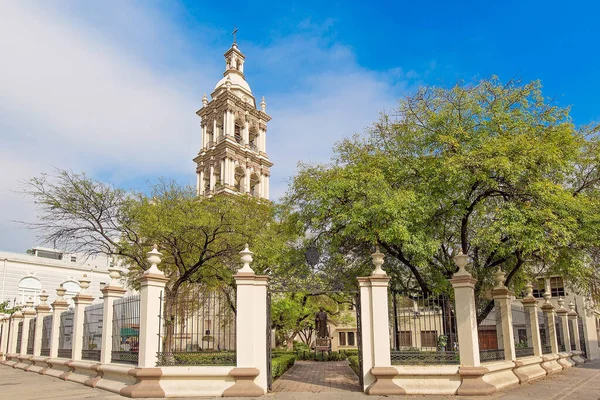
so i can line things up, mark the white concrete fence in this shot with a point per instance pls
(249, 376)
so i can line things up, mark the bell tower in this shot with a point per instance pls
(233, 155)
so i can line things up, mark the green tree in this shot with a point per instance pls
(5, 308)
(495, 170)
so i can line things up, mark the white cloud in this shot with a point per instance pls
(118, 100)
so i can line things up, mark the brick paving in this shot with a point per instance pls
(318, 376)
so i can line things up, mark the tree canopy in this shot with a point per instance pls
(496, 170)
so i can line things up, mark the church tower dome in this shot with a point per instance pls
(233, 154)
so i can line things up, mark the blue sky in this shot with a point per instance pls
(111, 87)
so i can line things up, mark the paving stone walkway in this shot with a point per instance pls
(315, 377)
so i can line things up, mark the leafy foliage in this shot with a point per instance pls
(281, 364)
(495, 170)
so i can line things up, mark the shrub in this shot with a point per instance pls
(301, 346)
(281, 364)
(199, 358)
(353, 361)
(322, 356)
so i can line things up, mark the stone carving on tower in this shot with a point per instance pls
(233, 157)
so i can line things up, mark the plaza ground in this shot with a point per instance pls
(329, 381)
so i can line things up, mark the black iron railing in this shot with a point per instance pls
(546, 349)
(424, 357)
(46, 335)
(491, 355)
(92, 332)
(126, 330)
(524, 351)
(198, 327)
(65, 337)
(196, 358)
(30, 333)
(19, 336)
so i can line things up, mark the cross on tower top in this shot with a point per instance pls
(234, 34)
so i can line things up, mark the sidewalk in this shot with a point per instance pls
(581, 383)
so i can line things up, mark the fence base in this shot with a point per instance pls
(146, 384)
(384, 384)
(565, 361)
(38, 364)
(578, 357)
(550, 364)
(473, 383)
(244, 383)
(528, 369)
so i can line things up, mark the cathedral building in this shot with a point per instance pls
(233, 155)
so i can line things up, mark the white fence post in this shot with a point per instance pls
(28, 315)
(81, 300)
(152, 283)
(502, 297)
(110, 293)
(563, 316)
(58, 306)
(378, 373)
(14, 332)
(5, 322)
(530, 304)
(251, 332)
(548, 309)
(573, 318)
(470, 368)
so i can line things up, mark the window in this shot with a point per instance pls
(538, 289)
(342, 338)
(522, 335)
(557, 287)
(49, 254)
(405, 338)
(73, 259)
(351, 339)
(72, 288)
(238, 134)
(29, 286)
(429, 338)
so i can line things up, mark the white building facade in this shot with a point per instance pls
(24, 275)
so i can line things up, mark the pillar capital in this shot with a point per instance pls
(502, 293)
(463, 281)
(113, 291)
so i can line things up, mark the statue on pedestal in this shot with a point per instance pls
(321, 324)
